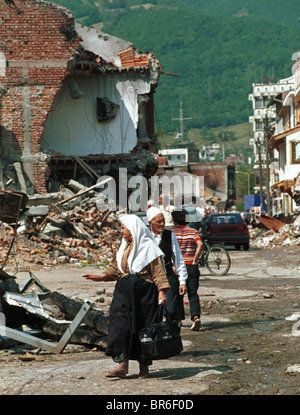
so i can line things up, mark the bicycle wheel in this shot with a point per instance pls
(217, 260)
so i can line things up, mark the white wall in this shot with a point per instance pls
(292, 170)
(72, 127)
(287, 170)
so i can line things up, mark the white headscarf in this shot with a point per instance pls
(144, 249)
(152, 212)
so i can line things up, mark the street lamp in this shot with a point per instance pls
(247, 174)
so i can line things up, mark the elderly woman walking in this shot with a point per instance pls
(141, 285)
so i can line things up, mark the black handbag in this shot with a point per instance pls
(161, 339)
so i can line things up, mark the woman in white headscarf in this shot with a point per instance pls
(141, 286)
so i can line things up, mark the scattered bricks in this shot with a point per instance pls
(289, 234)
(71, 244)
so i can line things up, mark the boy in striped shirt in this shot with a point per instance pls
(191, 245)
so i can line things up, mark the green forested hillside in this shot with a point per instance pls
(286, 13)
(219, 48)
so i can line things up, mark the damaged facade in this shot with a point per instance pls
(219, 179)
(285, 144)
(75, 103)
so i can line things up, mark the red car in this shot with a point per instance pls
(228, 229)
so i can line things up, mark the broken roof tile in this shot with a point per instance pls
(131, 59)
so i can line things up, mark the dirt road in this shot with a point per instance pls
(246, 346)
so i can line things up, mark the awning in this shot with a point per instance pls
(277, 139)
(278, 185)
(284, 186)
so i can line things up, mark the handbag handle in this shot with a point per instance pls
(159, 314)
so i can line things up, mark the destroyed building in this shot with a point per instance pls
(74, 103)
(219, 179)
(284, 144)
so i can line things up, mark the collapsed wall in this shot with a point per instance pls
(37, 40)
(74, 104)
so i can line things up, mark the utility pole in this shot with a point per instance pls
(266, 134)
(181, 119)
(257, 143)
(223, 137)
(223, 151)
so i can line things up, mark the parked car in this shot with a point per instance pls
(228, 229)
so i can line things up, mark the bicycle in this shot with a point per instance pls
(214, 257)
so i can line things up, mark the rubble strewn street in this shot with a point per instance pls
(246, 344)
(248, 338)
(78, 232)
(83, 140)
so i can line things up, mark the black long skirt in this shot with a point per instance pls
(134, 303)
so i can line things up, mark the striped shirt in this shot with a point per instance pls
(187, 240)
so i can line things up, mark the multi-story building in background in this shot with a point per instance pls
(285, 143)
(181, 153)
(263, 94)
(276, 141)
(263, 100)
(209, 151)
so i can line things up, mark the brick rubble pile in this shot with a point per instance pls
(287, 235)
(83, 235)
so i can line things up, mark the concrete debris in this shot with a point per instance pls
(286, 234)
(70, 230)
(55, 234)
(293, 369)
(293, 317)
(268, 295)
(46, 313)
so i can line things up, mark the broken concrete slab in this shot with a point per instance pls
(53, 230)
(41, 210)
(43, 344)
(44, 199)
(38, 315)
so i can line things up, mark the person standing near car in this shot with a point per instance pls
(191, 246)
(177, 274)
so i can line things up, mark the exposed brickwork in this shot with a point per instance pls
(37, 44)
(215, 174)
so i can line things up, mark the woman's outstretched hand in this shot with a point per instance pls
(93, 277)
